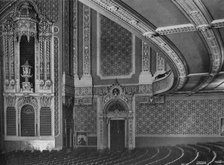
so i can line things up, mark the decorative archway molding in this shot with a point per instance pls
(32, 101)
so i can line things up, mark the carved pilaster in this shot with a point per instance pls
(75, 36)
(160, 64)
(86, 79)
(145, 76)
(9, 56)
(44, 62)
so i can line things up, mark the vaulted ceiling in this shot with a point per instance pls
(190, 34)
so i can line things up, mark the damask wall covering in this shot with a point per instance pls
(86, 117)
(180, 116)
(116, 44)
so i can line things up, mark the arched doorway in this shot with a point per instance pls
(116, 120)
(117, 115)
(27, 121)
(117, 134)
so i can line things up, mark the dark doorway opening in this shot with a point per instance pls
(117, 135)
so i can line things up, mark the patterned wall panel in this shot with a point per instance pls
(45, 121)
(11, 121)
(85, 118)
(115, 49)
(48, 8)
(183, 117)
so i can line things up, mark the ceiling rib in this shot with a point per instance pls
(183, 28)
(143, 28)
(196, 13)
(197, 74)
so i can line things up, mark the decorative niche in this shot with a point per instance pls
(28, 44)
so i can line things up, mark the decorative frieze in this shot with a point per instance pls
(83, 91)
(101, 91)
(84, 101)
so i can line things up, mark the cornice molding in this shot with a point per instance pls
(197, 14)
(144, 29)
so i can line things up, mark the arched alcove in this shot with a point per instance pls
(27, 121)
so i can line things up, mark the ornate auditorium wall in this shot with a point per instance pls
(85, 118)
(190, 118)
